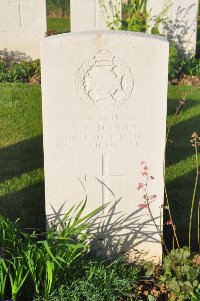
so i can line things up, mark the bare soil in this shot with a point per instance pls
(187, 80)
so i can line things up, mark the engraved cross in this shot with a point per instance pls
(105, 176)
(20, 4)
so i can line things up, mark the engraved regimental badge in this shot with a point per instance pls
(104, 81)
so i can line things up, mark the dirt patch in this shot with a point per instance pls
(187, 80)
(152, 287)
(35, 79)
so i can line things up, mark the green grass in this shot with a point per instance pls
(21, 154)
(58, 25)
(180, 158)
(57, 8)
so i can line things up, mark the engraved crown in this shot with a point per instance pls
(105, 58)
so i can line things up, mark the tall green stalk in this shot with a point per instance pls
(3, 278)
(181, 104)
(195, 143)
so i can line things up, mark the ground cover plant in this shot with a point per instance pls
(98, 280)
(181, 273)
(25, 71)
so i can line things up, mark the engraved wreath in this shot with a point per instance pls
(104, 80)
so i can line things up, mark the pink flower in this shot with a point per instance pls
(194, 135)
(145, 168)
(182, 102)
(143, 162)
(140, 186)
(143, 206)
(169, 222)
(152, 197)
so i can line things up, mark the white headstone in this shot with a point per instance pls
(22, 25)
(181, 25)
(104, 112)
(89, 15)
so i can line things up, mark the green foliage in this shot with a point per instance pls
(112, 13)
(179, 65)
(136, 16)
(175, 62)
(100, 281)
(136, 22)
(17, 275)
(181, 273)
(149, 266)
(12, 267)
(161, 19)
(26, 259)
(3, 278)
(49, 259)
(191, 67)
(19, 72)
(58, 8)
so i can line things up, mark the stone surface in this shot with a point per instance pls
(104, 112)
(88, 15)
(22, 25)
(181, 22)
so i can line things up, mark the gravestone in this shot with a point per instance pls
(181, 22)
(104, 112)
(22, 25)
(90, 15)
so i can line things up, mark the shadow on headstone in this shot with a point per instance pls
(179, 28)
(12, 57)
(115, 232)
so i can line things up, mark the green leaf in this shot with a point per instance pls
(150, 268)
(45, 243)
(173, 286)
(192, 274)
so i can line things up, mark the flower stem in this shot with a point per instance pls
(194, 193)
(165, 188)
(170, 216)
(157, 228)
(153, 219)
